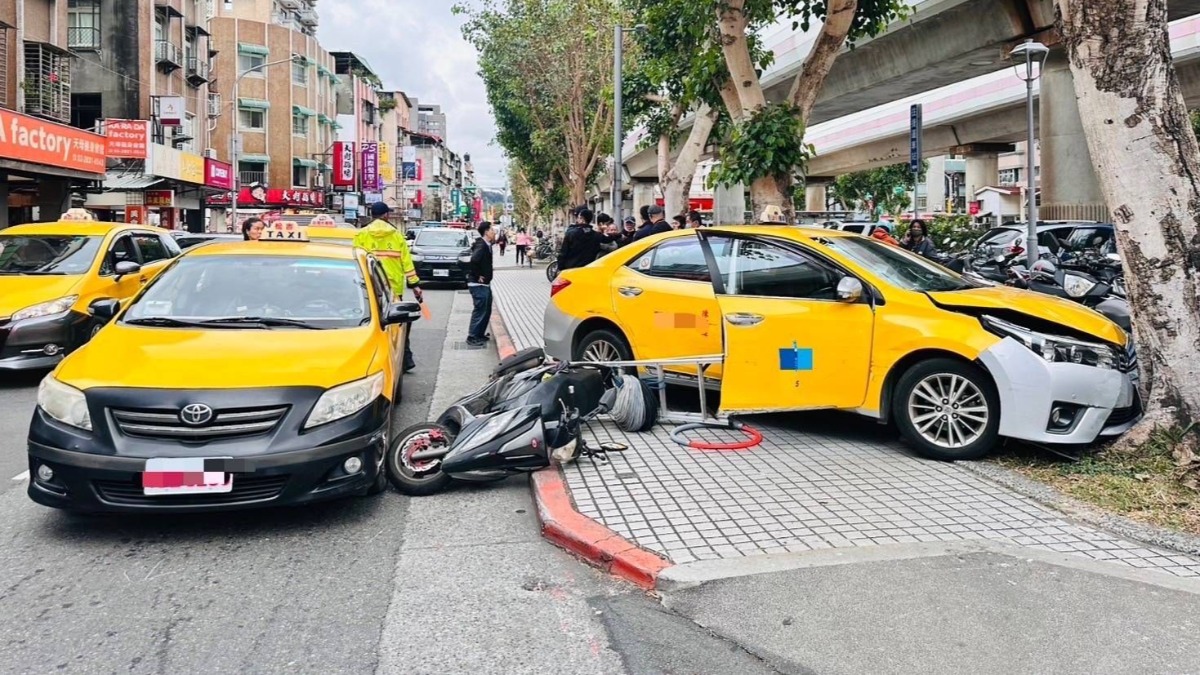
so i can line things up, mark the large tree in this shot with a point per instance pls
(876, 190)
(1148, 163)
(547, 67)
(767, 148)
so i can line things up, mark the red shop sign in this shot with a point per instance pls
(345, 164)
(261, 196)
(160, 198)
(218, 174)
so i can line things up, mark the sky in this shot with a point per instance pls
(415, 46)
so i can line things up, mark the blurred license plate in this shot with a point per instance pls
(441, 273)
(183, 476)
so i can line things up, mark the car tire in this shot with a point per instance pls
(407, 481)
(947, 410)
(603, 345)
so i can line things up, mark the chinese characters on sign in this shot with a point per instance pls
(128, 139)
(160, 198)
(218, 174)
(344, 164)
(387, 166)
(28, 139)
(370, 167)
(258, 195)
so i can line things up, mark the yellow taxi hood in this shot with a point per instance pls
(20, 291)
(1046, 307)
(173, 358)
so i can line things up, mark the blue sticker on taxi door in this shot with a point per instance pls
(795, 358)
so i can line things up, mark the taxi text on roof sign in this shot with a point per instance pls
(285, 230)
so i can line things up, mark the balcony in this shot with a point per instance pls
(167, 55)
(47, 82)
(307, 17)
(250, 177)
(197, 71)
(4, 37)
(214, 105)
(83, 39)
(291, 4)
(286, 19)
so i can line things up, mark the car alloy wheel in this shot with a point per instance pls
(948, 410)
(602, 351)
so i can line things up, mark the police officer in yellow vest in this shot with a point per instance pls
(387, 244)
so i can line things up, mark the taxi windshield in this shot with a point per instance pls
(48, 254)
(443, 238)
(255, 292)
(896, 266)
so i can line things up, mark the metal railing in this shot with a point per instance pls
(248, 177)
(168, 52)
(214, 105)
(47, 82)
(197, 69)
(83, 38)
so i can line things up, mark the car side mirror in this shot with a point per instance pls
(401, 313)
(126, 267)
(104, 309)
(849, 290)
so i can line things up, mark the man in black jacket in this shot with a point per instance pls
(657, 224)
(581, 244)
(479, 283)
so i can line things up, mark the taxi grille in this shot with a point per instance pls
(246, 488)
(1127, 361)
(226, 423)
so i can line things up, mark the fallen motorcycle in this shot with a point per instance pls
(530, 412)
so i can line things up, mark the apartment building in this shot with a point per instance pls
(284, 108)
(43, 160)
(396, 116)
(361, 130)
(296, 15)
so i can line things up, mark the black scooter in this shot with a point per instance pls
(532, 411)
(1074, 285)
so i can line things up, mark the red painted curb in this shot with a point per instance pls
(504, 343)
(586, 538)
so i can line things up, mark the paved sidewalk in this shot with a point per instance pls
(820, 481)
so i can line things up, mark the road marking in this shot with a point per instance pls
(24, 475)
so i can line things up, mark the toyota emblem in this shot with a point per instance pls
(196, 414)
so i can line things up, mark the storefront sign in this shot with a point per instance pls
(387, 168)
(370, 167)
(973, 208)
(128, 139)
(171, 110)
(350, 202)
(261, 196)
(218, 175)
(409, 154)
(409, 170)
(28, 139)
(344, 164)
(135, 214)
(160, 198)
(191, 168)
(370, 198)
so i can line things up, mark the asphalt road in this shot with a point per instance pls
(461, 582)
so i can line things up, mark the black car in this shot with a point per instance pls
(443, 254)
(187, 240)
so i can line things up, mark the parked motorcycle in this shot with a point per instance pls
(530, 412)
(1046, 277)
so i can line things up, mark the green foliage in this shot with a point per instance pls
(870, 18)
(1195, 117)
(768, 143)
(877, 186)
(949, 233)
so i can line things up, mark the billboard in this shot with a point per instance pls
(128, 139)
(370, 166)
(345, 164)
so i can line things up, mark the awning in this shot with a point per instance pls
(129, 181)
(322, 70)
(304, 112)
(193, 30)
(309, 163)
(255, 159)
(253, 104)
(325, 119)
(254, 50)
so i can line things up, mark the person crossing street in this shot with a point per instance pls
(386, 243)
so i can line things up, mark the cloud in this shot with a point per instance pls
(416, 46)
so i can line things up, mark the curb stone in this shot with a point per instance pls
(1086, 513)
(571, 530)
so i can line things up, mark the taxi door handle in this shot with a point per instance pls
(629, 291)
(743, 319)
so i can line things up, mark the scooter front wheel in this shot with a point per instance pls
(415, 477)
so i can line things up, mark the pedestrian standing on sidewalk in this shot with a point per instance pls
(581, 244)
(694, 220)
(386, 243)
(657, 224)
(502, 239)
(480, 285)
(524, 242)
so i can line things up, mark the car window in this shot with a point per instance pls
(856, 229)
(895, 265)
(48, 254)
(681, 259)
(383, 288)
(171, 245)
(151, 247)
(444, 238)
(764, 269)
(1086, 238)
(319, 292)
(121, 250)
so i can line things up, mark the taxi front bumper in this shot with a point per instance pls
(101, 471)
(40, 343)
(1087, 402)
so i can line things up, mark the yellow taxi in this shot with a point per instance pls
(50, 274)
(816, 319)
(332, 235)
(247, 374)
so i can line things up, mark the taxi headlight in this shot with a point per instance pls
(1077, 286)
(345, 400)
(1057, 348)
(49, 308)
(64, 403)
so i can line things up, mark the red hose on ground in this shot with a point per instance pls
(755, 438)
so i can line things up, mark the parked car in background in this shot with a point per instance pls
(442, 255)
(187, 240)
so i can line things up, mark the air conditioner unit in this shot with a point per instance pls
(210, 153)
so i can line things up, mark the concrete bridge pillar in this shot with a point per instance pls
(982, 171)
(814, 197)
(729, 205)
(1070, 190)
(643, 195)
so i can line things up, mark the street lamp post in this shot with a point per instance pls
(1033, 55)
(234, 150)
(618, 118)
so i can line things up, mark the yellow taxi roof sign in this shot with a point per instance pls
(284, 230)
(322, 220)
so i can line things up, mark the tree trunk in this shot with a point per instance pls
(769, 191)
(811, 78)
(676, 181)
(1148, 164)
(742, 74)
